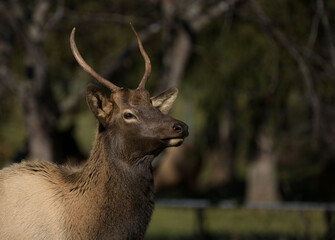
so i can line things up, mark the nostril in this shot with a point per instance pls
(178, 128)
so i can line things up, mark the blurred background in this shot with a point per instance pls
(257, 89)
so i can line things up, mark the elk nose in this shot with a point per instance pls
(181, 128)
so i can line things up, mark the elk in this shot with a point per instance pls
(111, 195)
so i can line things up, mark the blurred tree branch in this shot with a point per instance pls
(320, 16)
(103, 17)
(129, 50)
(279, 36)
(185, 23)
(56, 17)
(198, 22)
(179, 29)
(325, 23)
(13, 18)
(313, 34)
(5, 78)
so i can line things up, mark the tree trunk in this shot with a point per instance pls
(262, 183)
(221, 157)
(177, 50)
(40, 144)
(174, 61)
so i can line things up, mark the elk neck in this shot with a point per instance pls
(109, 164)
(107, 182)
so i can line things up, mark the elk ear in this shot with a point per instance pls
(165, 100)
(100, 106)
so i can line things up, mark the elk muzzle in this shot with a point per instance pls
(180, 131)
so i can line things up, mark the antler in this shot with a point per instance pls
(86, 67)
(146, 59)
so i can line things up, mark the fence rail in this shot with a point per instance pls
(227, 204)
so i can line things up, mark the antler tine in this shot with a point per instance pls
(86, 67)
(146, 59)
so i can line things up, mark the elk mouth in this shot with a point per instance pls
(172, 142)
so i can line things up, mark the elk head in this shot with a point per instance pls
(130, 120)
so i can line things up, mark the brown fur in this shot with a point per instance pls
(111, 195)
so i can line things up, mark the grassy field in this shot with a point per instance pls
(172, 223)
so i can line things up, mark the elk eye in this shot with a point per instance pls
(128, 115)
